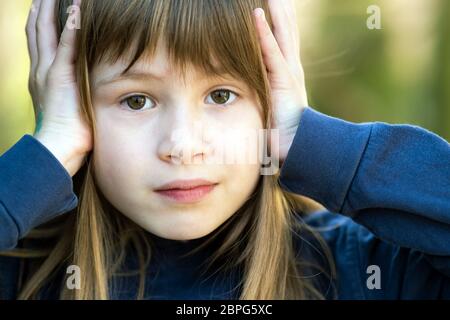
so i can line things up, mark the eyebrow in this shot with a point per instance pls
(145, 76)
(130, 75)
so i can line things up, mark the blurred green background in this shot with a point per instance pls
(398, 74)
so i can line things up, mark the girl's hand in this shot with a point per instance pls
(281, 52)
(53, 87)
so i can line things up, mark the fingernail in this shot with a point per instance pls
(259, 13)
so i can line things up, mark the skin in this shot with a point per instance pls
(133, 151)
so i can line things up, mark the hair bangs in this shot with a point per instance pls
(215, 36)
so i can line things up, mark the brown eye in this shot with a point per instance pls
(137, 102)
(222, 96)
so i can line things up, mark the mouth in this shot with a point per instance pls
(186, 191)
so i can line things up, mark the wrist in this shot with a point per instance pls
(287, 133)
(70, 160)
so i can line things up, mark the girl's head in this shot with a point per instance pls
(156, 76)
(164, 78)
(160, 76)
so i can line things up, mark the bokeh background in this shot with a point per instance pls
(397, 74)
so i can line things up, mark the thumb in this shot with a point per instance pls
(66, 52)
(273, 57)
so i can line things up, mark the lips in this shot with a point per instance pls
(186, 191)
(185, 184)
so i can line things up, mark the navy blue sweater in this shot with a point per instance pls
(386, 189)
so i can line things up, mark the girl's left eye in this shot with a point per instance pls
(142, 102)
(222, 97)
(137, 102)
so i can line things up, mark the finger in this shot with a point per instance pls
(290, 28)
(272, 54)
(47, 41)
(31, 34)
(292, 11)
(285, 28)
(66, 52)
(281, 26)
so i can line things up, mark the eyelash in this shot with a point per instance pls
(123, 102)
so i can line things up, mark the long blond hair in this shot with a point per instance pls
(259, 239)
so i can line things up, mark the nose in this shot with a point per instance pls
(184, 141)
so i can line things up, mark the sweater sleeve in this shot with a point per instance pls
(34, 188)
(392, 179)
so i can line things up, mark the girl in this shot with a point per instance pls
(119, 96)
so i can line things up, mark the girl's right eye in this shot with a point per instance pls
(137, 102)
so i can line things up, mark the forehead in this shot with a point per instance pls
(157, 66)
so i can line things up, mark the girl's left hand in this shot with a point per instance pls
(281, 52)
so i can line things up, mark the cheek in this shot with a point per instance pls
(239, 149)
(245, 179)
(238, 138)
(120, 159)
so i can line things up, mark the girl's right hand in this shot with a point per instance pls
(53, 87)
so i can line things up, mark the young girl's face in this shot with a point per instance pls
(145, 117)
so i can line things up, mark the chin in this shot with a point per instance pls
(181, 236)
(181, 233)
